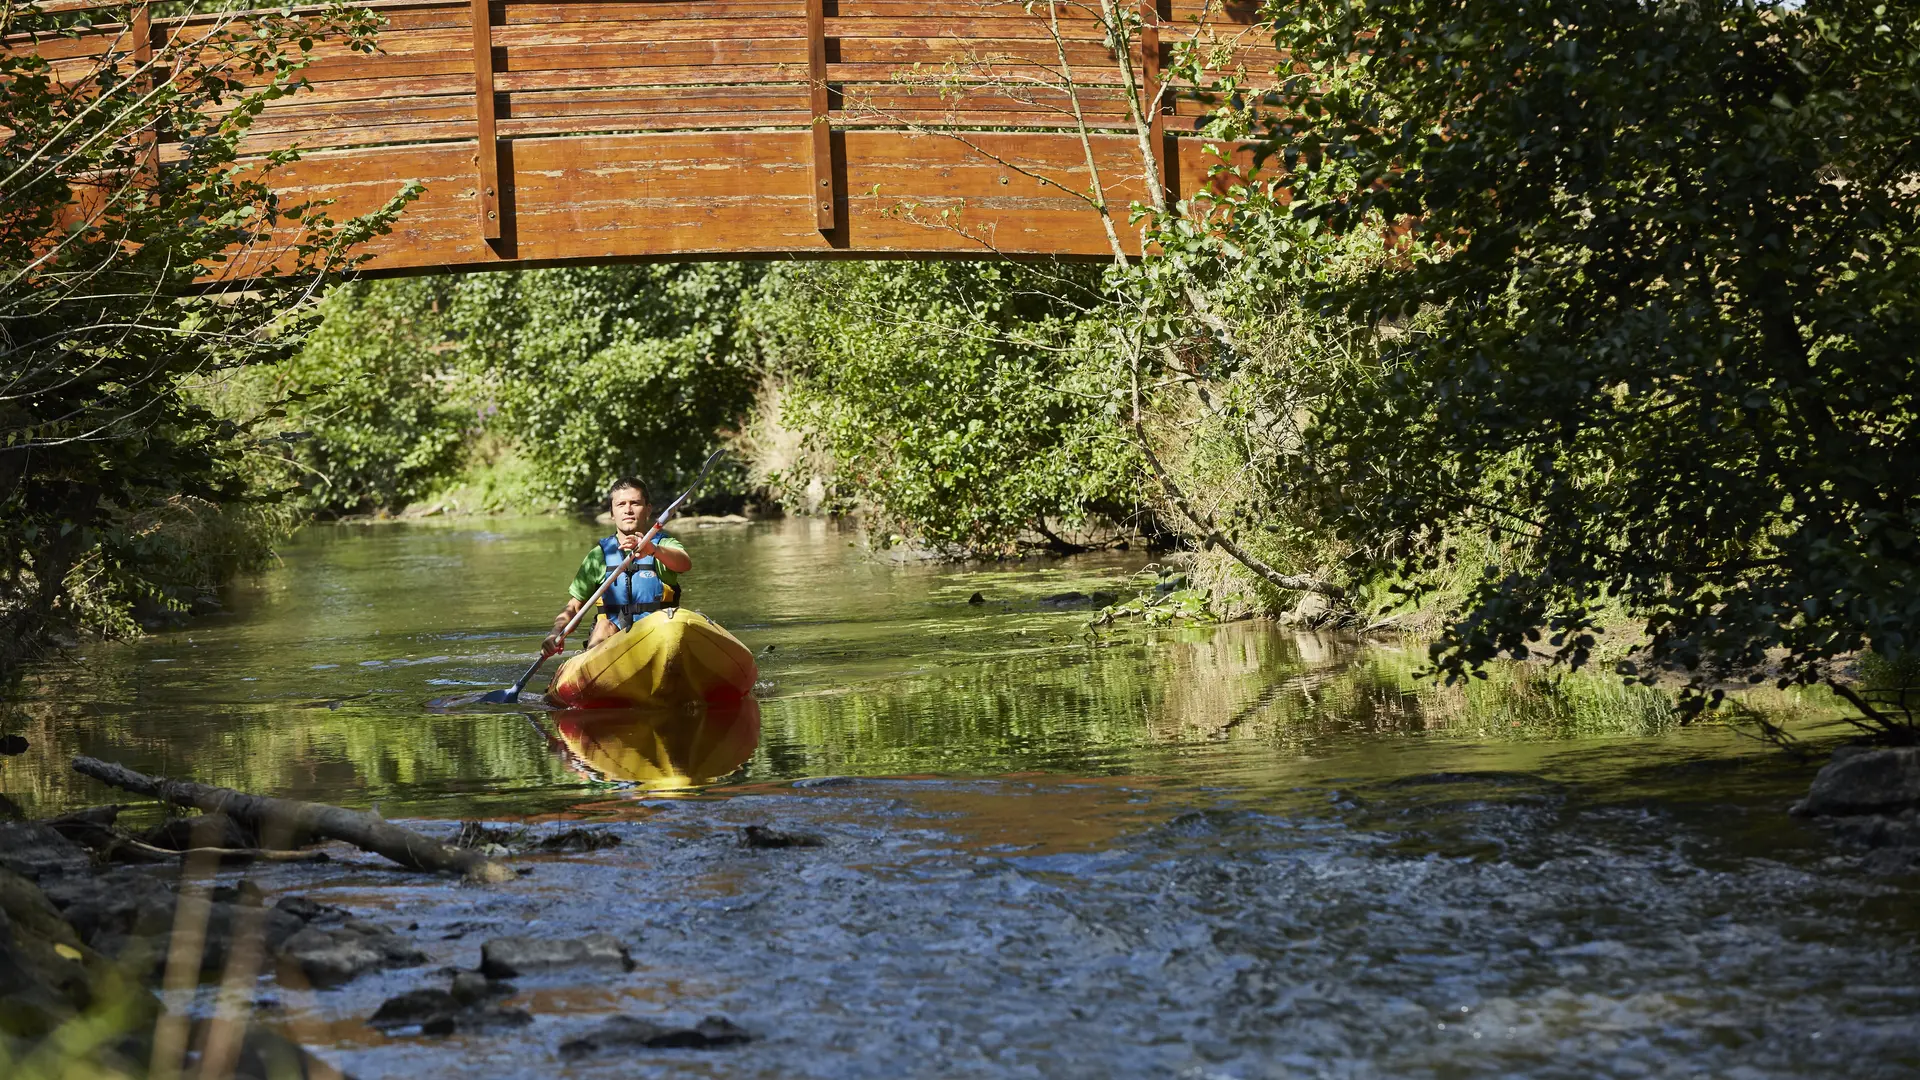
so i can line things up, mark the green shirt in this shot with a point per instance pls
(593, 570)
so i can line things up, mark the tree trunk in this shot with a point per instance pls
(362, 830)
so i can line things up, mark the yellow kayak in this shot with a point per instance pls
(668, 658)
(661, 748)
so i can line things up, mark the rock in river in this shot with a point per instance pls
(503, 958)
(1864, 780)
(334, 948)
(439, 1012)
(630, 1032)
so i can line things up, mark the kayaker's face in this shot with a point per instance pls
(629, 510)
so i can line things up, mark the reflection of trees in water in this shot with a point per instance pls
(1243, 681)
(351, 752)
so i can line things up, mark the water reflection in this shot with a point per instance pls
(656, 748)
(867, 669)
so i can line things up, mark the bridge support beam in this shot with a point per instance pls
(487, 139)
(825, 197)
(1150, 102)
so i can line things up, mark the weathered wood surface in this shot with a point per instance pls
(294, 818)
(551, 131)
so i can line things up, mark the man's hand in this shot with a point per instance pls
(557, 641)
(636, 544)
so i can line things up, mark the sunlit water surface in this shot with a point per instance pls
(1205, 852)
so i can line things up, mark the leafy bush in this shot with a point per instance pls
(603, 371)
(110, 302)
(376, 393)
(1669, 255)
(961, 403)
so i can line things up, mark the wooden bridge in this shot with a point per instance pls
(551, 131)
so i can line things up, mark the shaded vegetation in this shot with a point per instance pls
(119, 493)
(1663, 257)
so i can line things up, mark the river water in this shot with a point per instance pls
(1200, 852)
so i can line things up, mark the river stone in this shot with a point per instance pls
(333, 948)
(35, 851)
(503, 958)
(759, 836)
(124, 913)
(438, 1012)
(43, 974)
(1864, 780)
(631, 1032)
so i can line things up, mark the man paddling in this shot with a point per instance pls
(650, 583)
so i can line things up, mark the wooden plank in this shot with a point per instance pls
(369, 138)
(616, 54)
(1106, 75)
(995, 52)
(608, 78)
(1069, 13)
(617, 100)
(1019, 26)
(981, 121)
(487, 149)
(295, 115)
(821, 146)
(664, 121)
(535, 14)
(667, 30)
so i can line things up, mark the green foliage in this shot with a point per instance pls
(109, 298)
(373, 392)
(609, 370)
(1666, 257)
(961, 403)
(511, 391)
(1164, 595)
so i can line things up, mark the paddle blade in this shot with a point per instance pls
(501, 697)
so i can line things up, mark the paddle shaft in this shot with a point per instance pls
(659, 523)
(573, 623)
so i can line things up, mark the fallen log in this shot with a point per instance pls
(293, 817)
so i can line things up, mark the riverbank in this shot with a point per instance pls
(1160, 850)
(1583, 911)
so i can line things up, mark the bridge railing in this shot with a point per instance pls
(557, 130)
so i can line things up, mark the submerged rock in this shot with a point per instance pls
(578, 840)
(631, 1033)
(1864, 780)
(43, 967)
(493, 839)
(503, 958)
(36, 851)
(333, 948)
(440, 1012)
(759, 836)
(1076, 599)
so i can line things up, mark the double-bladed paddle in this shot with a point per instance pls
(512, 693)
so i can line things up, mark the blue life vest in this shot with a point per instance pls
(636, 592)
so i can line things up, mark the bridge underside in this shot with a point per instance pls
(676, 195)
(552, 131)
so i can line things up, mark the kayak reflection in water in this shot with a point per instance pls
(661, 748)
(648, 584)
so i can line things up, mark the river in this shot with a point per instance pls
(1203, 852)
